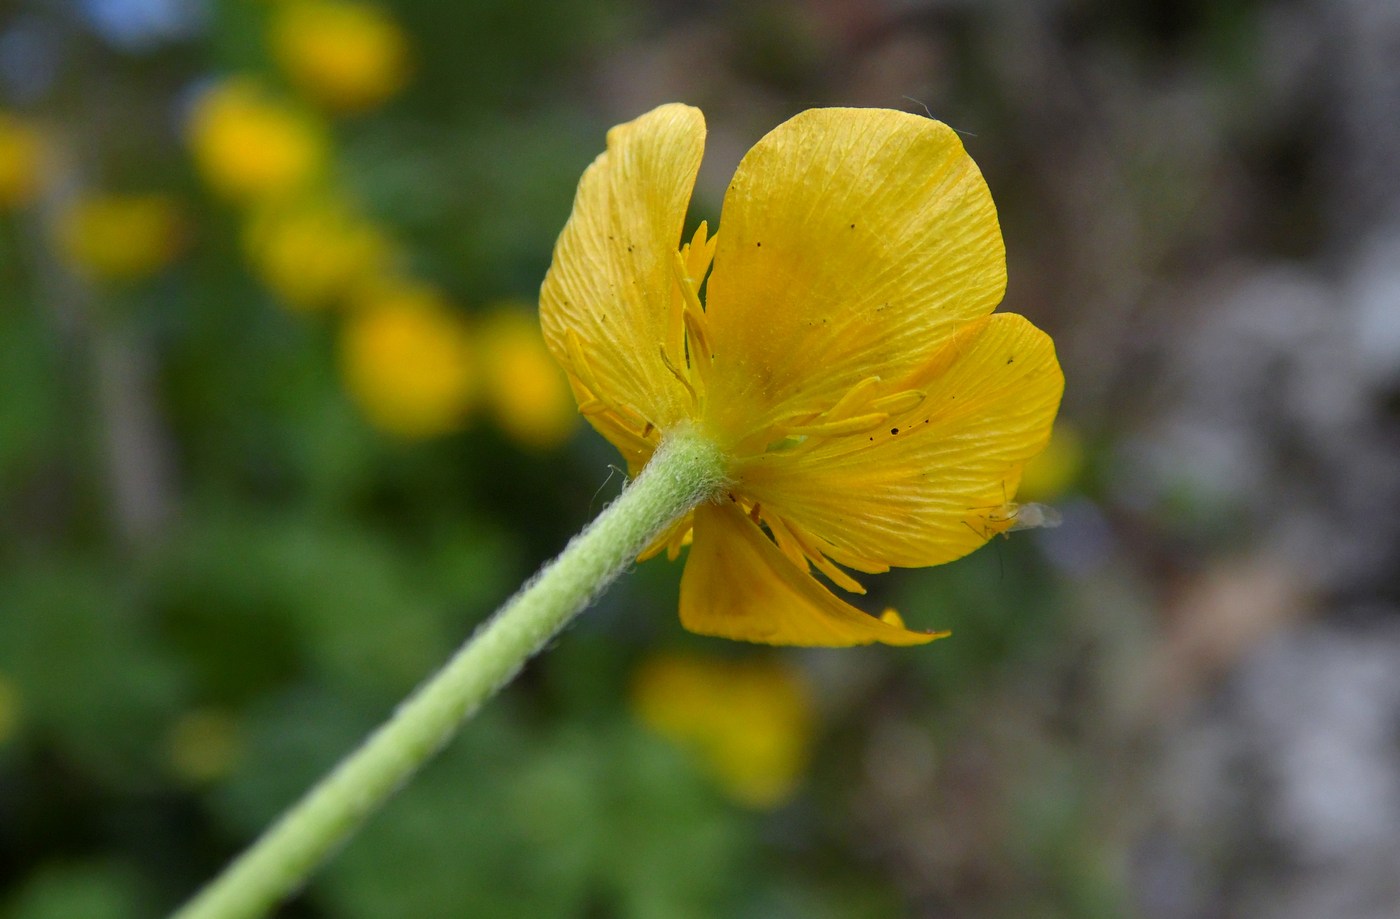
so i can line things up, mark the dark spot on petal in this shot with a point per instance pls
(1010, 359)
(760, 245)
(853, 226)
(894, 430)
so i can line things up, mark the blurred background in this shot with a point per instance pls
(277, 431)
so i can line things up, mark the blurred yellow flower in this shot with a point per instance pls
(203, 746)
(1051, 473)
(527, 393)
(749, 722)
(120, 237)
(9, 709)
(845, 359)
(21, 162)
(249, 145)
(406, 359)
(315, 253)
(347, 56)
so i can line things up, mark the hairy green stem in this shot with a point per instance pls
(685, 471)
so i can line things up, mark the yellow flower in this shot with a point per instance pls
(749, 722)
(527, 394)
(120, 237)
(315, 253)
(9, 710)
(250, 146)
(1051, 473)
(21, 162)
(203, 746)
(349, 57)
(406, 360)
(873, 412)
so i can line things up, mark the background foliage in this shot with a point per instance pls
(276, 433)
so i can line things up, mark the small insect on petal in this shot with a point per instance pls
(1032, 517)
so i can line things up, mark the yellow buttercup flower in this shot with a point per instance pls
(250, 146)
(9, 709)
(314, 253)
(21, 162)
(1057, 467)
(845, 359)
(406, 359)
(120, 237)
(203, 746)
(527, 394)
(349, 57)
(750, 723)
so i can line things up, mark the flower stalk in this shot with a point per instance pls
(685, 471)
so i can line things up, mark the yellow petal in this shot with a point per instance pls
(251, 146)
(406, 360)
(120, 237)
(1054, 471)
(853, 243)
(606, 300)
(24, 165)
(350, 57)
(750, 722)
(737, 584)
(938, 481)
(527, 393)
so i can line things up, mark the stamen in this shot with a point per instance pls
(687, 283)
(787, 543)
(673, 348)
(620, 419)
(851, 560)
(858, 411)
(693, 317)
(581, 367)
(813, 551)
(853, 399)
(680, 378)
(841, 556)
(623, 437)
(838, 577)
(679, 540)
(857, 425)
(657, 546)
(689, 265)
(670, 538)
(699, 347)
(623, 414)
(699, 253)
(899, 403)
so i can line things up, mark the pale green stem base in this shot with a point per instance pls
(685, 471)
